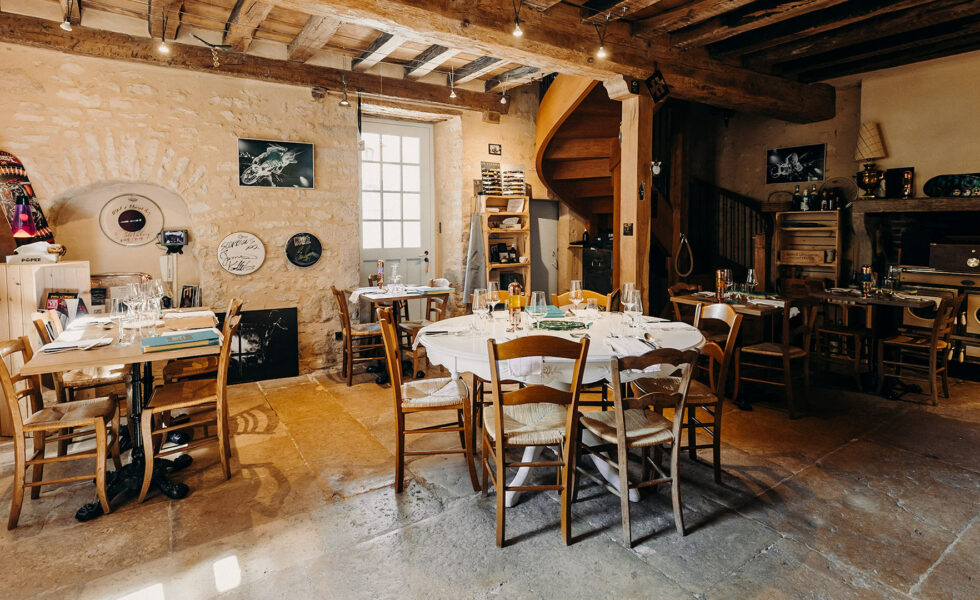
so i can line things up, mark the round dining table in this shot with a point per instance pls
(460, 345)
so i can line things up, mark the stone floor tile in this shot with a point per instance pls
(945, 438)
(954, 575)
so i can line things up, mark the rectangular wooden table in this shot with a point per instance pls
(746, 308)
(843, 298)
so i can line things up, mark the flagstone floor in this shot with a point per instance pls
(866, 498)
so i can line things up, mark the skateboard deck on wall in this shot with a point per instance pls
(948, 186)
(13, 173)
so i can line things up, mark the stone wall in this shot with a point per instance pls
(77, 122)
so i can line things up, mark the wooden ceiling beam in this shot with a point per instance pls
(245, 17)
(314, 35)
(40, 33)
(163, 19)
(541, 5)
(799, 28)
(429, 60)
(511, 79)
(933, 13)
(726, 26)
(619, 10)
(560, 41)
(476, 68)
(73, 9)
(381, 47)
(686, 15)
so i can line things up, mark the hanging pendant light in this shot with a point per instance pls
(503, 98)
(452, 83)
(66, 25)
(344, 101)
(518, 32)
(601, 52)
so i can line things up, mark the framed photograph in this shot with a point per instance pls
(795, 164)
(265, 163)
(495, 149)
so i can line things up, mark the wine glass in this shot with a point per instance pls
(493, 294)
(729, 282)
(538, 307)
(479, 308)
(628, 287)
(592, 309)
(750, 281)
(575, 293)
(634, 307)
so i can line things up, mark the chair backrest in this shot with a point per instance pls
(562, 299)
(670, 361)
(798, 330)
(435, 305)
(680, 308)
(718, 363)
(18, 387)
(393, 359)
(614, 301)
(224, 357)
(503, 297)
(48, 325)
(545, 346)
(713, 316)
(942, 327)
(342, 308)
(234, 309)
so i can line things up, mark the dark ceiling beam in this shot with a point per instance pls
(245, 17)
(685, 15)
(808, 26)
(729, 25)
(476, 68)
(618, 10)
(380, 48)
(512, 78)
(934, 13)
(40, 33)
(163, 19)
(429, 60)
(314, 35)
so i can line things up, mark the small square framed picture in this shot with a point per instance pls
(495, 149)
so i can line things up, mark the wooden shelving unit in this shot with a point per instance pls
(518, 238)
(809, 242)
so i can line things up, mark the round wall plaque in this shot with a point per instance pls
(131, 220)
(241, 253)
(303, 249)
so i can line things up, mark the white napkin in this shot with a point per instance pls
(187, 314)
(84, 322)
(516, 368)
(64, 346)
(933, 299)
(356, 294)
(440, 282)
(667, 326)
(628, 346)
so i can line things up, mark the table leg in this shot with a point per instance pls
(531, 454)
(604, 469)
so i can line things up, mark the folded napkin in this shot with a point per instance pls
(88, 321)
(935, 300)
(665, 325)
(628, 346)
(704, 294)
(187, 314)
(554, 312)
(64, 346)
(516, 368)
(356, 294)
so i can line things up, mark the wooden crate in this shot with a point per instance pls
(809, 242)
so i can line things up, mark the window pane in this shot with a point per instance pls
(411, 206)
(392, 177)
(393, 205)
(370, 205)
(372, 146)
(391, 148)
(393, 234)
(411, 178)
(370, 176)
(413, 234)
(410, 150)
(371, 234)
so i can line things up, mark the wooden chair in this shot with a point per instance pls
(435, 310)
(638, 423)
(718, 323)
(80, 418)
(794, 345)
(359, 338)
(602, 300)
(840, 343)
(190, 395)
(181, 369)
(614, 302)
(927, 356)
(535, 415)
(442, 394)
(503, 297)
(683, 313)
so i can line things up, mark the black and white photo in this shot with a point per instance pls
(265, 163)
(795, 164)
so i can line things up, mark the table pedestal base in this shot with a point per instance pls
(128, 481)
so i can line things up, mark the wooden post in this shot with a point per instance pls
(680, 185)
(759, 260)
(633, 200)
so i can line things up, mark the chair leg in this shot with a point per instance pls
(485, 468)
(945, 376)
(464, 438)
(501, 490)
(675, 490)
(716, 441)
(881, 368)
(222, 426)
(101, 443)
(349, 353)
(788, 383)
(399, 452)
(624, 492)
(738, 375)
(20, 472)
(692, 435)
(114, 450)
(37, 472)
(146, 428)
(933, 386)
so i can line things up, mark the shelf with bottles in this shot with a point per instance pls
(506, 248)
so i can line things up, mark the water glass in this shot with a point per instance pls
(538, 307)
(493, 294)
(592, 309)
(634, 307)
(575, 293)
(750, 281)
(128, 323)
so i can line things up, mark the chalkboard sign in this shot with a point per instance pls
(241, 253)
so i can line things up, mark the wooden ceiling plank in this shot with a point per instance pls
(725, 26)
(476, 68)
(926, 15)
(559, 41)
(815, 24)
(541, 5)
(428, 60)
(686, 15)
(73, 9)
(619, 10)
(314, 36)
(41, 33)
(163, 19)
(245, 18)
(511, 79)
(382, 46)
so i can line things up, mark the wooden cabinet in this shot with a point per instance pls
(23, 290)
(494, 210)
(808, 245)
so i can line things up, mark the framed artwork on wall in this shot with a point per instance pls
(495, 149)
(265, 163)
(796, 164)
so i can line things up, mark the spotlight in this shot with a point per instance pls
(601, 53)
(163, 48)
(66, 25)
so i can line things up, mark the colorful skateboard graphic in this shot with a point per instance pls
(12, 174)
(948, 186)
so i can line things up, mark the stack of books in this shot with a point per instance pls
(178, 340)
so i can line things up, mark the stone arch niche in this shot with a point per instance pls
(74, 218)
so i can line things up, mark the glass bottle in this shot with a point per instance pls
(514, 304)
(797, 198)
(381, 273)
